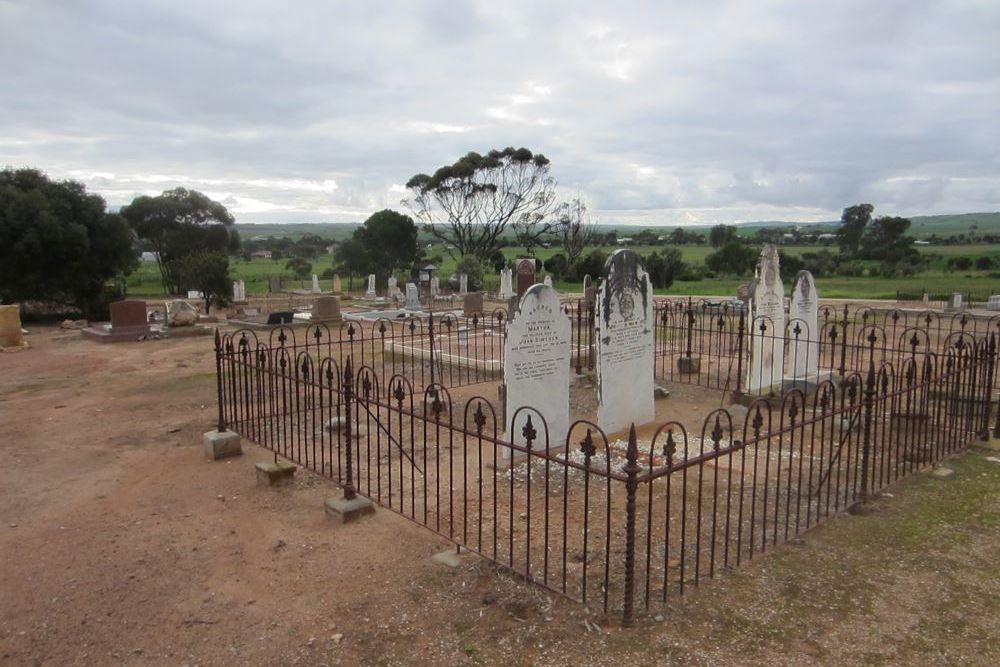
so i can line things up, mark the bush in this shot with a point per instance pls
(984, 263)
(557, 265)
(959, 264)
(852, 269)
(664, 268)
(591, 264)
(734, 258)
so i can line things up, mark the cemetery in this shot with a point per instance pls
(615, 449)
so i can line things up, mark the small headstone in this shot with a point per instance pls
(335, 284)
(955, 301)
(536, 367)
(274, 284)
(525, 275)
(10, 326)
(280, 317)
(472, 304)
(463, 283)
(391, 288)
(326, 309)
(315, 284)
(590, 296)
(994, 302)
(547, 280)
(625, 344)
(195, 294)
(435, 287)
(586, 282)
(506, 284)
(370, 292)
(767, 322)
(803, 325)
(412, 297)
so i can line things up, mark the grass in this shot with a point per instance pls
(146, 280)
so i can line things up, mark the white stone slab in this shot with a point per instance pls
(625, 344)
(803, 327)
(536, 368)
(767, 322)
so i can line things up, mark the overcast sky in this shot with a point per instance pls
(658, 113)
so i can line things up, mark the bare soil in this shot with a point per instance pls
(121, 544)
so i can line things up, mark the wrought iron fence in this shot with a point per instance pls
(610, 522)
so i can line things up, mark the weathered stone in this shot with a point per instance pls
(506, 284)
(346, 511)
(10, 326)
(536, 368)
(525, 275)
(803, 328)
(472, 304)
(326, 309)
(221, 445)
(275, 474)
(370, 292)
(180, 313)
(448, 558)
(941, 472)
(412, 297)
(624, 344)
(660, 392)
(689, 365)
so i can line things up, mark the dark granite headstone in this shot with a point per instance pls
(326, 309)
(525, 275)
(280, 317)
(472, 303)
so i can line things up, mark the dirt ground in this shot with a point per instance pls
(121, 544)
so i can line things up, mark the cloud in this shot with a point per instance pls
(660, 112)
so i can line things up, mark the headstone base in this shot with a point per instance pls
(346, 511)
(689, 365)
(275, 474)
(221, 445)
(108, 334)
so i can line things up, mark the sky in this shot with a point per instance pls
(657, 113)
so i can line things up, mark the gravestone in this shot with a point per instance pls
(463, 283)
(624, 344)
(472, 303)
(391, 287)
(525, 275)
(128, 322)
(412, 297)
(326, 309)
(506, 284)
(315, 285)
(767, 324)
(955, 302)
(10, 326)
(370, 292)
(536, 367)
(994, 302)
(195, 294)
(803, 327)
(589, 291)
(547, 280)
(435, 287)
(335, 285)
(274, 284)
(281, 317)
(180, 313)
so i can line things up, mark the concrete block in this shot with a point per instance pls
(346, 511)
(221, 445)
(448, 558)
(275, 474)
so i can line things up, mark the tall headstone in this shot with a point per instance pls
(435, 287)
(239, 292)
(10, 326)
(326, 309)
(315, 285)
(536, 367)
(803, 327)
(472, 304)
(506, 284)
(525, 275)
(625, 344)
(392, 290)
(463, 283)
(336, 283)
(274, 284)
(767, 324)
(412, 297)
(370, 292)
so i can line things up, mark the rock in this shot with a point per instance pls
(660, 392)
(180, 313)
(74, 324)
(942, 473)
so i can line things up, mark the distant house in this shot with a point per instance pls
(262, 254)
(625, 240)
(827, 237)
(921, 242)
(148, 257)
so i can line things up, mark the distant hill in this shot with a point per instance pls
(923, 225)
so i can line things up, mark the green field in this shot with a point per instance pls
(146, 280)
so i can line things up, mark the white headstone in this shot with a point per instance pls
(315, 287)
(195, 294)
(239, 292)
(435, 287)
(803, 327)
(994, 302)
(412, 297)
(391, 290)
(625, 344)
(371, 286)
(506, 284)
(547, 280)
(767, 322)
(536, 368)
(463, 283)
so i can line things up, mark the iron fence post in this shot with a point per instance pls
(349, 492)
(579, 335)
(869, 404)
(690, 328)
(221, 426)
(631, 469)
(843, 344)
(740, 334)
